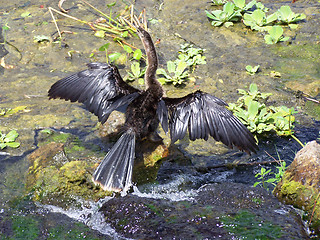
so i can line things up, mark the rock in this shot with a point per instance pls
(58, 176)
(300, 184)
(224, 211)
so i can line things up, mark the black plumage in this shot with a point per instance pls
(102, 90)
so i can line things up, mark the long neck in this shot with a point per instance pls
(152, 59)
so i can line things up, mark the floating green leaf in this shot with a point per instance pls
(127, 49)
(275, 35)
(100, 34)
(252, 70)
(25, 14)
(258, 117)
(104, 47)
(225, 16)
(287, 16)
(8, 140)
(137, 54)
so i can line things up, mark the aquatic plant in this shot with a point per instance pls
(285, 15)
(264, 176)
(8, 140)
(275, 35)
(118, 27)
(136, 73)
(218, 2)
(177, 72)
(242, 6)
(191, 55)
(252, 70)
(6, 112)
(224, 17)
(259, 118)
(257, 20)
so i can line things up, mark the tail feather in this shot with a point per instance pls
(115, 171)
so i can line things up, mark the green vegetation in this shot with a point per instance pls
(226, 16)
(240, 5)
(247, 225)
(285, 15)
(256, 19)
(259, 118)
(191, 55)
(275, 35)
(107, 25)
(6, 112)
(31, 227)
(178, 70)
(25, 227)
(263, 176)
(136, 73)
(8, 140)
(252, 70)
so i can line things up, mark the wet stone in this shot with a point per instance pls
(300, 185)
(58, 175)
(221, 211)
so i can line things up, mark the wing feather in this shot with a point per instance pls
(203, 115)
(100, 88)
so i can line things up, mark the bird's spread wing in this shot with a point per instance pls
(100, 88)
(203, 115)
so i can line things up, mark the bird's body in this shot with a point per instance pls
(102, 90)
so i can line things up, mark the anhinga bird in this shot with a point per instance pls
(102, 91)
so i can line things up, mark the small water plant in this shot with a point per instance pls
(285, 15)
(242, 6)
(265, 177)
(6, 112)
(8, 140)
(191, 55)
(253, 112)
(254, 16)
(177, 72)
(258, 20)
(252, 70)
(224, 17)
(275, 35)
(218, 2)
(136, 73)
(112, 25)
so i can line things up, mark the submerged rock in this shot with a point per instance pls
(56, 177)
(300, 185)
(61, 169)
(222, 211)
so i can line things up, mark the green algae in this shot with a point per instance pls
(61, 170)
(247, 225)
(31, 228)
(299, 195)
(25, 227)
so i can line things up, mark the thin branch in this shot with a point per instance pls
(314, 208)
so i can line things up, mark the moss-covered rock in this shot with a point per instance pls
(300, 185)
(56, 177)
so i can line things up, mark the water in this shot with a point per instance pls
(31, 68)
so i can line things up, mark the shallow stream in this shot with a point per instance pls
(29, 68)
